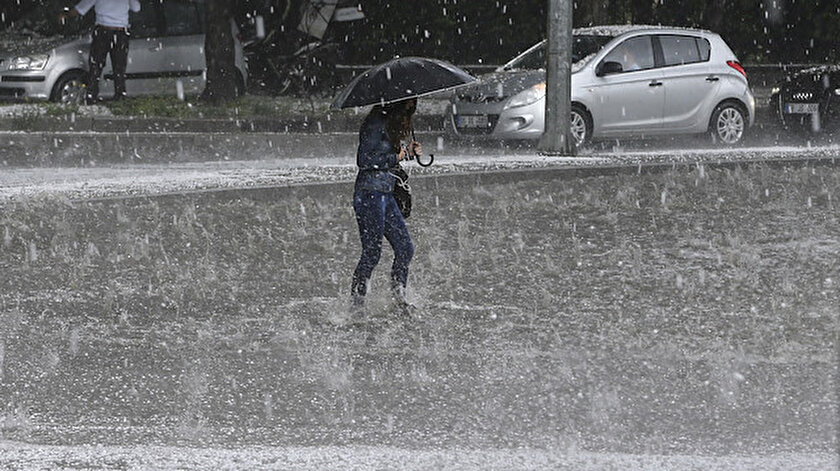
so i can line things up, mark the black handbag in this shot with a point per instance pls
(402, 192)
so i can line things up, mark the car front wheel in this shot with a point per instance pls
(70, 88)
(728, 124)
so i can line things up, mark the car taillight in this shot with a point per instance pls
(737, 66)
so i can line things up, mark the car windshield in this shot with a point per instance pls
(583, 47)
(43, 23)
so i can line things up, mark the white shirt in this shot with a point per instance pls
(109, 12)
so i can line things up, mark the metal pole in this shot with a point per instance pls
(556, 138)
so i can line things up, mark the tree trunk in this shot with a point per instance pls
(219, 53)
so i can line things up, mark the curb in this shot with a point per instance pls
(425, 185)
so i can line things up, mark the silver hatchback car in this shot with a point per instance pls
(627, 81)
(165, 57)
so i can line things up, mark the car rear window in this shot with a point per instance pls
(678, 50)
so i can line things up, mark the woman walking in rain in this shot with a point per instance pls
(377, 212)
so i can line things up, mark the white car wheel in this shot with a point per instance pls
(70, 89)
(579, 126)
(728, 124)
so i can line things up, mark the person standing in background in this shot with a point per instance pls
(110, 35)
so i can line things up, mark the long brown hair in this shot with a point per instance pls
(399, 120)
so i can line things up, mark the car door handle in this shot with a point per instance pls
(712, 78)
(655, 83)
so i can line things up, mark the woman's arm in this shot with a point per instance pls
(375, 150)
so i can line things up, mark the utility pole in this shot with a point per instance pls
(556, 138)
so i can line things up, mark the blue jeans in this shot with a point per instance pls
(378, 215)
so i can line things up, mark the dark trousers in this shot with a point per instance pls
(107, 41)
(378, 215)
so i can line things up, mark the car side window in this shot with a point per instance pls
(705, 49)
(183, 18)
(633, 54)
(149, 22)
(679, 50)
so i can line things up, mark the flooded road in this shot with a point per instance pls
(682, 318)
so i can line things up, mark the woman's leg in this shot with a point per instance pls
(397, 234)
(370, 215)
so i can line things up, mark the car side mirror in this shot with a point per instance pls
(608, 67)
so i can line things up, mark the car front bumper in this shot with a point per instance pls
(492, 120)
(24, 84)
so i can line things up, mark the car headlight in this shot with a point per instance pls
(837, 91)
(526, 97)
(775, 90)
(31, 62)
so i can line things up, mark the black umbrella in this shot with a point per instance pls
(400, 79)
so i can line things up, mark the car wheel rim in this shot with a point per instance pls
(730, 125)
(578, 128)
(73, 92)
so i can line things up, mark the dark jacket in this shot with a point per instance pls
(375, 156)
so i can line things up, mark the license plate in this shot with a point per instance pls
(801, 108)
(472, 121)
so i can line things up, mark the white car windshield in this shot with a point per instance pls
(584, 48)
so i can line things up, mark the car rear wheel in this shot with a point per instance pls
(728, 124)
(580, 126)
(70, 88)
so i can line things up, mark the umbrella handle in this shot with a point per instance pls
(420, 162)
(431, 159)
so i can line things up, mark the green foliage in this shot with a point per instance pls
(26, 118)
(163, 106)
(468, 32)
(60, 109)
(492, 32)
(462, 32)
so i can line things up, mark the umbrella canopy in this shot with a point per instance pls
(400, 79)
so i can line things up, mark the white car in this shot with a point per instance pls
(165, 57)
(627, 81)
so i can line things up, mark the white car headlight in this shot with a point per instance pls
(527, 97)
(837, 91)
(775, 90)
(31, 62)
